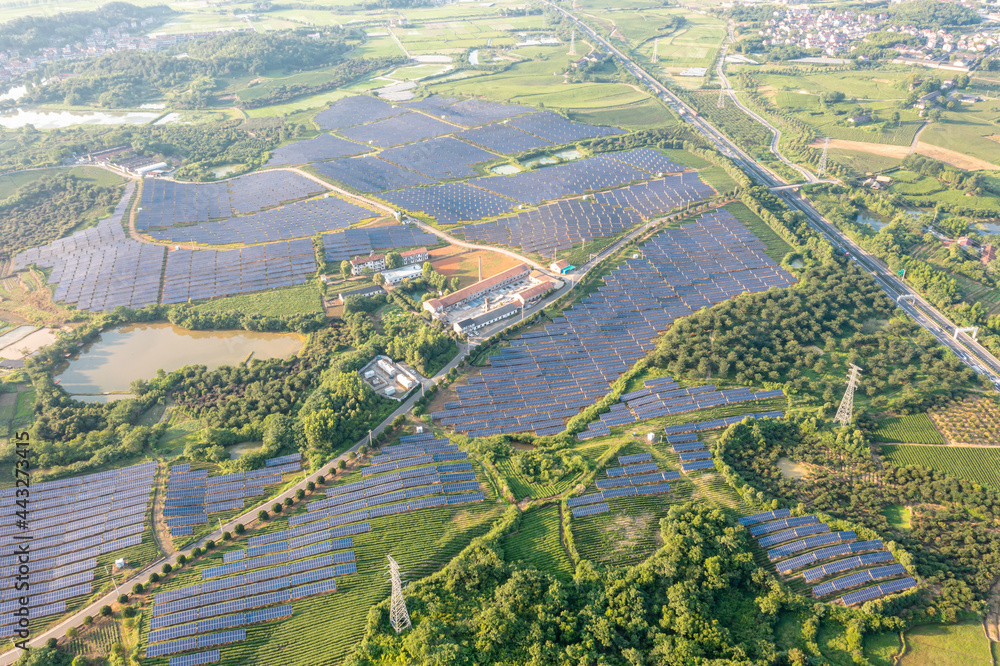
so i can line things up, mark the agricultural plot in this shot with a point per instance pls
(981, 465)
(303, 299)
(538, 542)
(970, 130)
(912, 429)
(523, 488)
(972, 421)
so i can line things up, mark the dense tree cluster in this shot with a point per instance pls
(932, 14)
(340, 412)
(699, 598)
(48, 208)
(197, 320)
(127, 78)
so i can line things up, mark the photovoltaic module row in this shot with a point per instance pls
(322, 147)
(196, 274)
(167, 203)
(541, 374)
(295, 220)
(355, 242)
(469, 112)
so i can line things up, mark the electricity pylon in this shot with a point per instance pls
(846, 411)
(399, 618)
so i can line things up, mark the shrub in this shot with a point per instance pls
(137, 588)
(310, 486)
(276, 508)
(89, 620)
(262, 515)
(105, 611)
(129, 611)
(341, 464)
(181, 559)
(210, 544)
(289, 501)
(227, 536)
(321, 479)
(197, 552)
(123, 599)
(154, 577)
(239, 529)
(71, 632)
(51, 643)
(299, 494)
(166, 569)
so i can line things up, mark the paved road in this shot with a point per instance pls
(968, 350)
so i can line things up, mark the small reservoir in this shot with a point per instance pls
(126, 353)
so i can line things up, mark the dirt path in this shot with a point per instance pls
(916, 138)
(952, 157)
(991, 621)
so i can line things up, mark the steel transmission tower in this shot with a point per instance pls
(722, 99)
(656, 48)
(572, 42)
(399, 618)
(846, 411)
(821, 171)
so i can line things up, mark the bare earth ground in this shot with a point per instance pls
(951, 157)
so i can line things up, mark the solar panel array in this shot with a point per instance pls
(638, 475)
(655, 197)
(451, 203)
(502, 138)
(355, 111)
(404, 128)
(788, 566)
(762, 517)
(70, 523)
(167, 203)
(555, 182)
(856, 562)
(192, 495)
(100, 268)
(549, 375)
(195, 274)
(441, 158)
(295, 220)
(355, 242)
(591, 510)
(371, 174)
(554, 227)
(469, 112)
(719, 423)
(553, 127)
(322, 147)
(885, 589)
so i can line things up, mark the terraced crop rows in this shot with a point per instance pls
(537, 542)
(981, 465)
(912, 429)
(522, 487)
(630, 532)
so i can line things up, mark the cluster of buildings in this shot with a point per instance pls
(391, 379)
(836, 32)
(375, 263)
(830, 30)
(124, 159)
(125, 36)
(961, 50)
(946, 93)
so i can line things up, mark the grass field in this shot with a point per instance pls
(861, 162)
(646, 114)
(538, 542)
(946, 645)
(269, 84)
(967, 129)
(301, 299)
(898, 516)
(777, 248)
(912, 429)
(718, 179)
(981, 465)
(94, 175)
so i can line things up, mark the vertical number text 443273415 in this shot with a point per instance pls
(22, 538)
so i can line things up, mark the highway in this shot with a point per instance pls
(926, 315)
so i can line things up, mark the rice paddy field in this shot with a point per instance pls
(978, 464)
